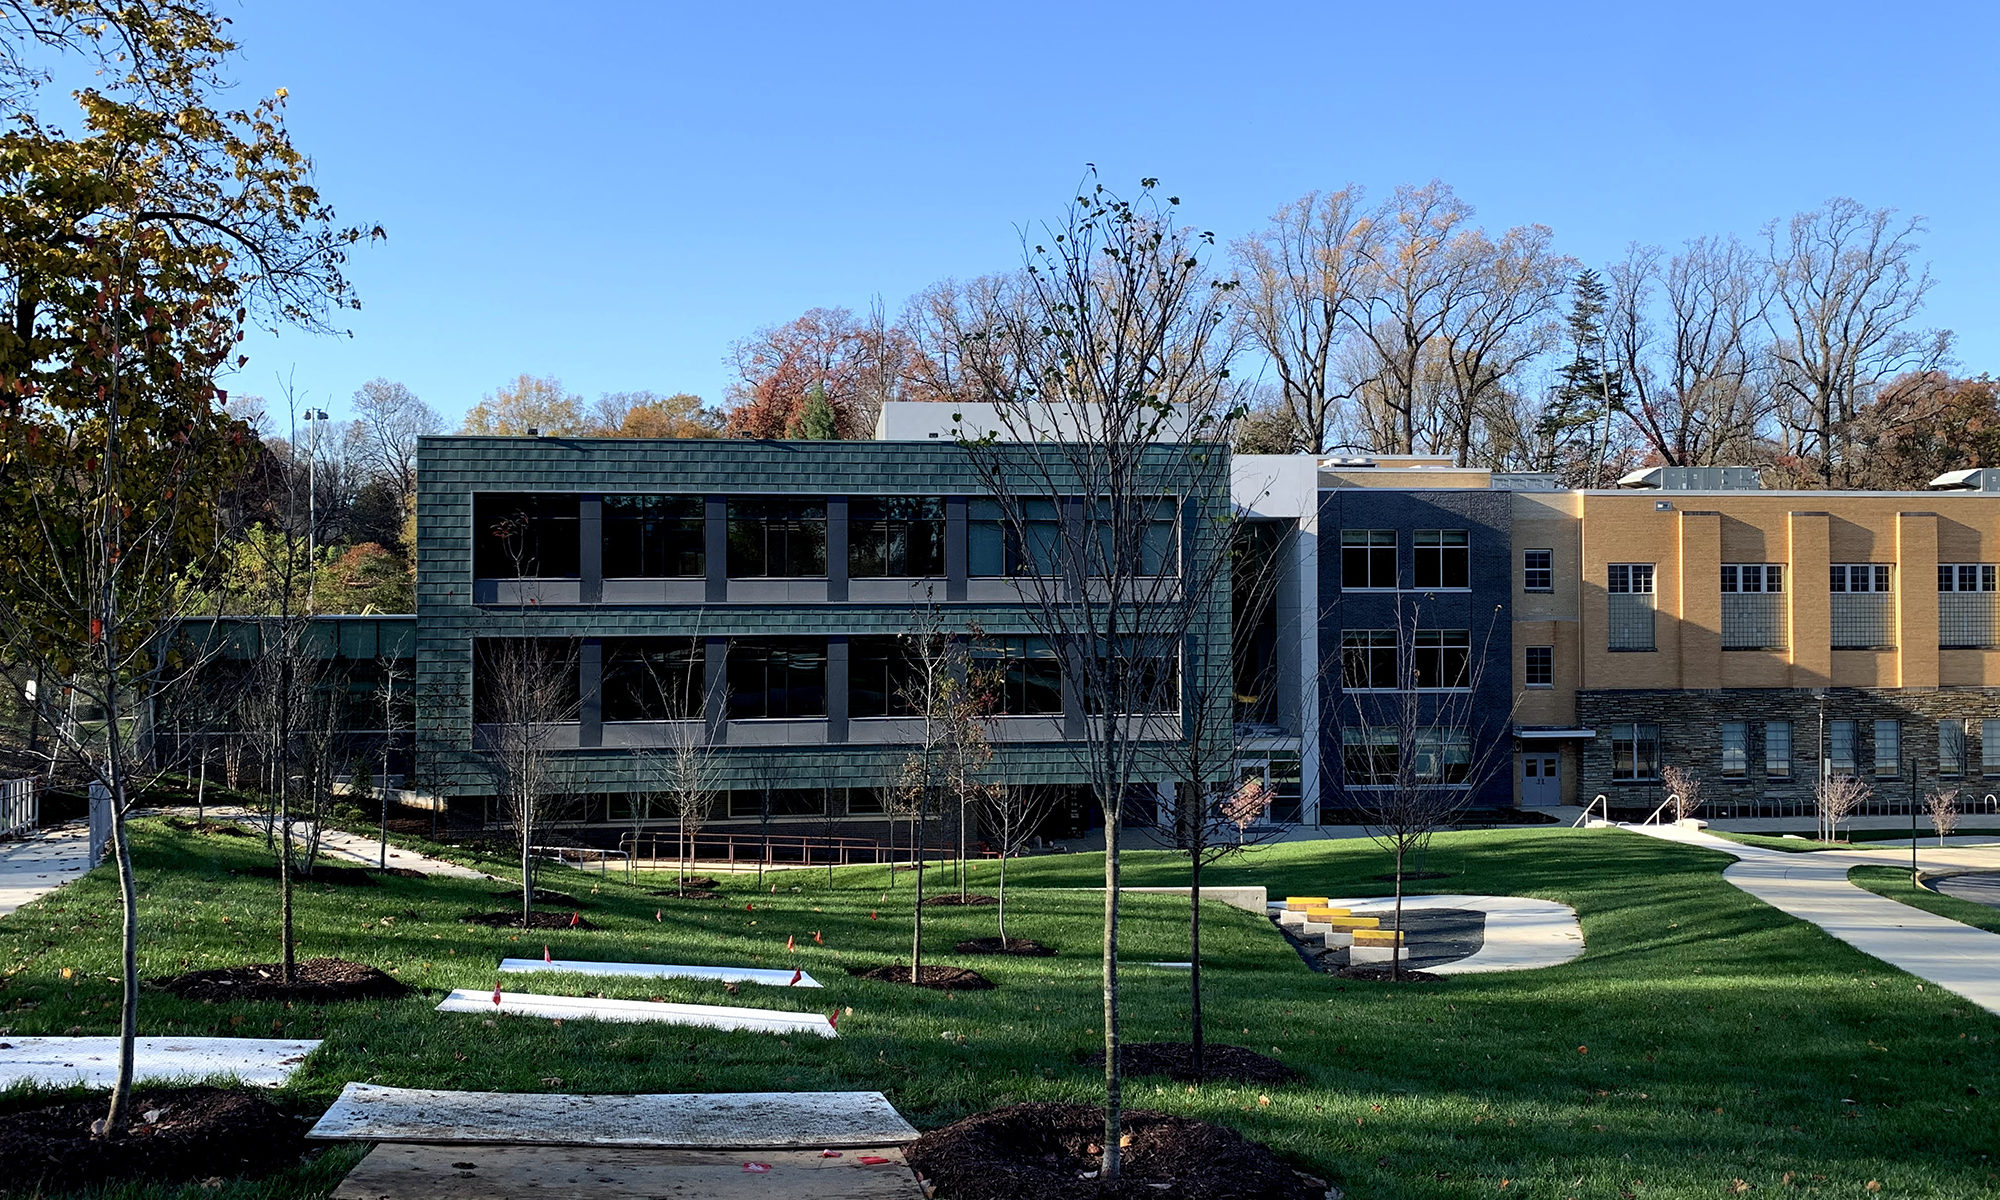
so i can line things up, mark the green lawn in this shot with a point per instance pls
(1894, 882)
(1852, 837)
(1703, 1039)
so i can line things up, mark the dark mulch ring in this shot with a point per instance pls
(1025, 947)
(511, 919)
(542, 896)
(687, 893)
(1175, 1060)
(953, 899)
(699, 883)
(225, 828)
(1383, 975)
(314, 981)
(1043, 1151)
(195, 1133)
(335, 876)
(938, 978)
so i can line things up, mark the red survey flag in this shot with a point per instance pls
(817, 939)
(496, 993)
(574, 920)
(545, 954)
(789, 948)
(833, 1019)
(872, 916)
(796, 976)
(656, 914)
(749, 908)
(756, 1168)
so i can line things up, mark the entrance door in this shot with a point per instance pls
(1541, 778)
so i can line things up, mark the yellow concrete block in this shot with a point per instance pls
(1378, 937)
(1341, 918)
(1302, 903)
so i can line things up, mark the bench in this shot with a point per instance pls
(1375, 946)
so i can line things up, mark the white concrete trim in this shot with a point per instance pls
(1522, 934)
(93, 1061)
(591, 1008)
(736, 1120)
(768, 977)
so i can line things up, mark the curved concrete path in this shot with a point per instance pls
(1813, 886)
(36, 866)
(1522, 934)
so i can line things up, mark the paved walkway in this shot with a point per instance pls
(1980, 887)
(1521, 934)
(39, 865)
(338, 845)
(1813, 886)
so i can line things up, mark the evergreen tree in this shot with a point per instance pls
(815, 422)
(1573, 421)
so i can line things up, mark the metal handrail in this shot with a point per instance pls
(1655, 818)
(768, 849)
(1583, 816)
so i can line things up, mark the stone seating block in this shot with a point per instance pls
(1361, 953)
(1345, 920)
(1302, 903)
(1339, 939)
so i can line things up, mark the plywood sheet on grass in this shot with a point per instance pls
(768, 977)
(93, 1061)
(591, 1008)
(681, 1121)
(429, 1172)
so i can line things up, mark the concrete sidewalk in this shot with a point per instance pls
(1814, 887)
(36, 866)
(335, 845)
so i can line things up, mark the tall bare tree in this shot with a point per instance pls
(1300, 276)
(1112, 404)
(525, 694)
(388, 420)
(1847, 288)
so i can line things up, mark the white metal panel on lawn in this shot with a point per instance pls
(93, 1061)
(591, 1008)
(770, 977)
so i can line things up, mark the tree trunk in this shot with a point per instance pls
(1396, 947)
(1114, 1099)
(917, 921)
(200, 789)
(527, 864)
(1195, 1038)
(288, 949)
(1003, 896)
(128, 1007)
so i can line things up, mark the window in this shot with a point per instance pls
(1968, 607)
(1442, 756)
(1735, 749)
(996, 547)
(1152, 552)
(1369, 757)
(1753, 606)
(1443, 658)
(1143, 679)
(1635, 752)
(654, 537)
(1629, 606)
(865, 802)
(1951, 747)
(1888, 749)
(1367, 559)
(1778, 749)
(777, 802)
(777, 538)
(652, 679)
(1541, 666)
(782, 677)
(1538, 571)
(524, 536)
(1989, 747)
(1862, 616)
(1840, 739)
(895, 538)
(881, 675)
(1367, 659)
(525, 681)
(1443, 558)
(1021, 673)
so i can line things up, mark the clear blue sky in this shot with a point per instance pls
(613, 192)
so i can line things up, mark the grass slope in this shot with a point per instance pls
(1704, 1038)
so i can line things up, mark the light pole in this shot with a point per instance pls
(315, 420)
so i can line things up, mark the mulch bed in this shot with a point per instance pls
(1219, 1063)
(933, 976)
(953, 899)
(1043, 1151)
(560, 899)
(314, 981)
(335, 876)
(197, 1133)
(225, 828)
(1382, 975)
(1025, 947)
(687, 894)
(699, 883)
(511, 919)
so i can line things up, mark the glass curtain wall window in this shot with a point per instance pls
(1840, 745)
(1989, 747)
(1369, 757)
(895, 537)
(1368, 659)
(882, 678)
(1367, 560)
(1888, 749)
(1778, 749)
(1021, 673)
(1635, 752)
(1442, 756)
(1541, 666)
(1155, 550)
(654, 537)
(1951, 747)
(524, 536)
(1442, 559)
(1443, 659)
(781, 677)
(533, 680)
(758, 803)
(995, 547)
(1538, 573)
(777, 538)
(652, 679)
(1147, 678)
(1735, 749)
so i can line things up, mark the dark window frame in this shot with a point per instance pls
(1441, 560)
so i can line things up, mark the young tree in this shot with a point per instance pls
(1836, 797)
(392, 698)
(525, 690)
(1111, 403)
(1943, 807)
(1011, 817)
(815, 420)
(388, 420)
(1683, 791)
(1414, 754)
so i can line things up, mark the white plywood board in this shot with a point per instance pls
(590, 1008)
(768, 977)
(93, 1061)
(722, 1120)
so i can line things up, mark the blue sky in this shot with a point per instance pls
(614, 192)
